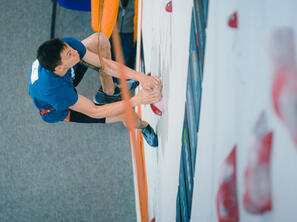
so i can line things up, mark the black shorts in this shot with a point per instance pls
(77, 116)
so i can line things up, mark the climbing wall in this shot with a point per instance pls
(227, 125)
(165, 50)
(246, 154)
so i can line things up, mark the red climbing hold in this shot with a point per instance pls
(168, 7)
(232, 21)
(156, 110)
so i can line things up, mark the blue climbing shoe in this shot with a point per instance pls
(132, 84)
(150, 136)
(102, 98)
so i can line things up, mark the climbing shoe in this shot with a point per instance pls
(150, 136)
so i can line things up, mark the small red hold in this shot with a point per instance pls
(156, 110)
(232, 21)
(168, 7)
(153, 220)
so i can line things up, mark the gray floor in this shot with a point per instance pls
(55, 172)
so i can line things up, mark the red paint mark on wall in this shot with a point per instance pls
(227, 204)
(257, 195)
(284, 89)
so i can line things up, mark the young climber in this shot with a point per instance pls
(60, 66)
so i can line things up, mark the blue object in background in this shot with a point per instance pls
(129, 51)
(188, 174)
(192, 112)
(178, 214)
(81, 5)
(182, 194)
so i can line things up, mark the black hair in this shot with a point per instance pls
(49, 53)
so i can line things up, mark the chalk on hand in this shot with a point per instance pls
(157, 108)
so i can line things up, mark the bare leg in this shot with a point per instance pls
(146, 130)
(91, 43)
(140, 124)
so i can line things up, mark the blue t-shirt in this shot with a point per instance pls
(49, 90)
